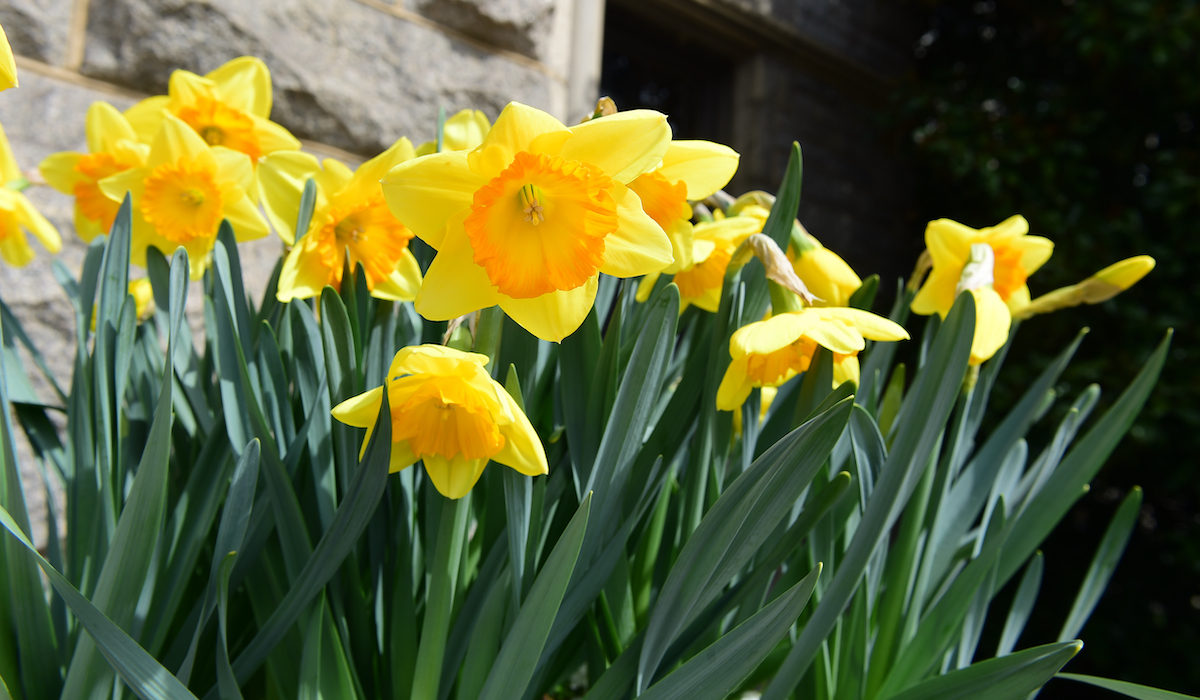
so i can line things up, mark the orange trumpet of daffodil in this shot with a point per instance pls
(530, 218)
(448, 412)
(17, 214)
(183, 192)
(710, 246)
(349, 216)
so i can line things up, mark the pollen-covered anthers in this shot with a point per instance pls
(531, 204)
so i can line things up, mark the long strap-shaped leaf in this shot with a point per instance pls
(1009, 678)
(1133, 690)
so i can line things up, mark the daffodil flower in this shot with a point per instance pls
(823, 271)
(530, 218)
(228, 107)
(113, 147)
(1100, 287)
(8, 65)
(769, 353)
(349, 216)
(990, 263)
(183, 192)
(690, 170)
(17, 214)
(712, 245)
(462, 132)
(448, 412)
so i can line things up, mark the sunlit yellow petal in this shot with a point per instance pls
(281, 179)
(128, 181)
(1126, 273)
(639, 246)
(404, 283)
(765, 337)
(9, 170)
(703, 166)
(646, 287)
(8, 65)
(234, 166)
(551, 316)
(992, 321)
(146, 117)
(735, 386)
(243, 216)
(425, 192)
(453, 478)
(1009, 229)
(870, 326)
(454, 285)
(465, 130)
(37, 224)
(58, 170)
(846, 370)
(244, 83)
(936, 296)
(302, 276)
(624, 145)
(271, 136)
(106, 126)
(522, 449)
(827, 276)
(514, 131)
(185, 87)
(1018, 299)
(1035, 251)
(175, 140)
(838, 337)
(16, 250)
(365, 181)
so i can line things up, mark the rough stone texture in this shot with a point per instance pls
(37, 28)
(515, 25)
(345, 73)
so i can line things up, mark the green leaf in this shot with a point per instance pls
(1133, 690)
(481, 652)
(1108, 554)
(1012, 677)
(719, 669)
(518, 657)
(440, 592)
(308, 200)
(225, 680)
(1022, 606)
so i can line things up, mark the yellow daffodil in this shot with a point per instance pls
(690, 170)
(8, 65)
(768, 353)
(349, 216)
(228, 107)
(17, 214)
(823, 271)
(1100, 287)
(143, 300)
(462, 132)
(112, 148)
(712, 245)
(530, 218)
(183, 192)
(448, 412)
(992, 264)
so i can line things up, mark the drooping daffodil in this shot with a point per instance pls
(8, 65)
(228, 107)
(18, 215)
(712, 244)
(990, 263)
(462, 132)
(448, 412)
(349, 216)
(113, 147)
(1100, 287)
(530, 218)
(770, 352)
(823, 271)
(183, 192)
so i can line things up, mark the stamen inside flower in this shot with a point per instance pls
(540, 225)
(221, 125)
(447, 417)
(182, 200)
(369, 231)
(91, 201)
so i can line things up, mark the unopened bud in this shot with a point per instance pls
(1100, 287)
(922, 268)
(604, 107)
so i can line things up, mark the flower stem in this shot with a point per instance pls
(440, 597)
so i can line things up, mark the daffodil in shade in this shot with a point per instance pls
(823, 271)
(462, 132)
(8, 65)
(769, 353)
(530, 218)
(990, 263)
(17, 214)
(349, 216)
(228, 107)
(690, 170)
(183, 192)
(113, 147)
(712, 245)
(449, 413)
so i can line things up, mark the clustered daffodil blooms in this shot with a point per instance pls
(449, 413)
(183, 192)
(769, 353)
(349, 217)
(1100, 287)
(711, 245)
(530, 218)
(990, 263)
(228, 107)
(18, 215)
(113, 147)
(462, 132)
(8, 64)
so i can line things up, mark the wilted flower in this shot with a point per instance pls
(448, 412)
(530, 218)
(113, 147)
(17, 214)
(769, 353)
(349, 216)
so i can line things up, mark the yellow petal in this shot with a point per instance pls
(624, 145)
(245, 84)
(846, 370)
(424, 193)
(15, 249)
(735, 386)
(37, 224)
(454, 285)
(1018, 300)
(106, 126)
(992, 321)
(703, 166)
(453, 478)
(365, 181)
(836, 336)
(86, 228)
(936, 296)
(827, 276)
(58, 169)
(8, 65)
(243, 216)
(710, 301)
(701, 249)
(360, 411)
(765, 337)
(552, 316)
(146, 117)
(514, 131)
(522, 449)
(302, 276)
(465, 130)
(175, 140)
(1035, 251)
(127, 181)
(234, 166)
(432, 359)
(185, 87)
(1009, 229)
(404, 283)
(9, 170)
(639, 246)
(1126, 273)
(683, 240)
(871, 326)
(273, 137)
(646, 287)
(281, 178)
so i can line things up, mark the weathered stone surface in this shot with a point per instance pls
(345, 73)
(516, 25)
(37, 28)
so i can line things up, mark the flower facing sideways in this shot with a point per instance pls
(711, 245)
(823, 271)
(183, 192)
(448, 412)
(769, 353)
(113, 147)
(17, 214)
(530, 218)
(349, 216)
(462, 132)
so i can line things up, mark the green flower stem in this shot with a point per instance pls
(487, 335)
(440, 597)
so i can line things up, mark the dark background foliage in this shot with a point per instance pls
(1082, 117)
